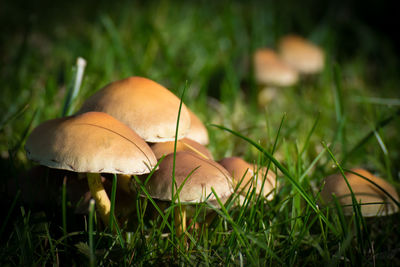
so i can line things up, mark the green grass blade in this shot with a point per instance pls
(51, 245)
(92, 258)
(339, 108)
(276, 139)
(173, 185)
(358, 217)
(317, 158)
(269, 163)
(10, 210)
(343, 223)
(238, 231)
(143, 189)
(385, 155)
(24, 135)
(307, 142)
(14, 115)
(375, 184)
(112, 200)
(337, 90)
(117, 44)
(74, 88)
(368, 136)
(301, 191)
(64, 206)
(119, 233)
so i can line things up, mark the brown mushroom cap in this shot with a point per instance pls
(198, 132)
(185, 144)
(364, 191)
(249, 176)
(302, 55)
(148, 108)
(92, 142)
(206, 174)
(272, 71)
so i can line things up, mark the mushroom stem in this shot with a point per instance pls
(124, 182)
(99, 194)
(180, 220)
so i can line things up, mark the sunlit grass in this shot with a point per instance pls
(339, 119)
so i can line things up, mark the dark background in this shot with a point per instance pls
(21, 17)
(358, 28)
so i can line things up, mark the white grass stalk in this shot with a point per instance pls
(81, 65)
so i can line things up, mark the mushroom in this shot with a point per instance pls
(302, 55)
(90, 143)
(185, 144)
(197, 132)
(249, 176)
(197, 176)
(374, 202)
(147, 107)
(271, 72)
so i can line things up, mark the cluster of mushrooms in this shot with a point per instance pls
(296, 56)
(129, 128)
(126, 128)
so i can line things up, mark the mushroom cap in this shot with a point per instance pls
(270, 70)
(252, 176)
(206, 174)
(302, 55)
(147, 107)
(197, 132)
(185, 144)
(92, 142)
(364, 191)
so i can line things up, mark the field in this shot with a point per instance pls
(347, 116)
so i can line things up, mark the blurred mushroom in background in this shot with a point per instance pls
(271, 72)
(302, 55)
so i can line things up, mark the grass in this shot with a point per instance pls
(345, 117)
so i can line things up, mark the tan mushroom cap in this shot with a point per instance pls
(250, 176)
(206, 174)
(270, 70)
(92, 142)
(302, 55)
(147, 107)
(185, 144)
(364, 191)
(198, 132)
